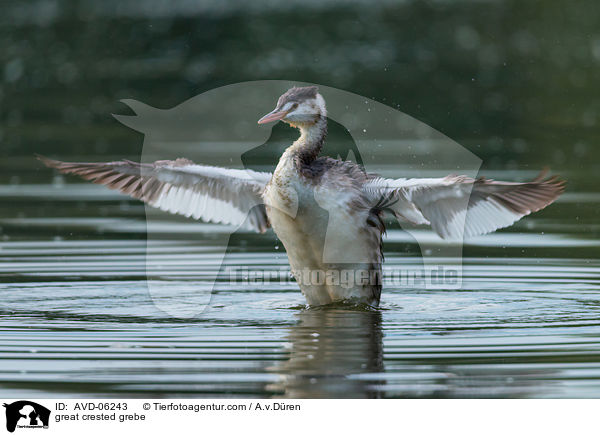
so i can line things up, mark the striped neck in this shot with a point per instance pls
(310, 143)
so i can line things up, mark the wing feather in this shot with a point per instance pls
(457, 206)
(220, 195)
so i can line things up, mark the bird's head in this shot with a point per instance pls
(299, 107)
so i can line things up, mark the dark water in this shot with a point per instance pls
(76, 317)
(515, 83)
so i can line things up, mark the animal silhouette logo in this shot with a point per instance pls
(331, 212)
(26, 414)
(218, 128)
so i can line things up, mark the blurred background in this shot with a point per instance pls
(514, 82)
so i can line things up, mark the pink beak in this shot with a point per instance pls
(275, 115)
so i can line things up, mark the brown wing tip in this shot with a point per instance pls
(543, 173)
(554, 186)
(555, 182)
(49, 162)
(528, 197)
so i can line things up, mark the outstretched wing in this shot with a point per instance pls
(213, 194)
(458, 206)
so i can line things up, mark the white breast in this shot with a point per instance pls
(321, 231)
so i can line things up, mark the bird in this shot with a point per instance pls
(328, 213)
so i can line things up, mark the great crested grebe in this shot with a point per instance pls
(328, 213)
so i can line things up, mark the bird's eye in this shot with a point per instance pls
(295, 106)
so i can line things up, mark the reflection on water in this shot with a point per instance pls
(328, 347)
(76, 317)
